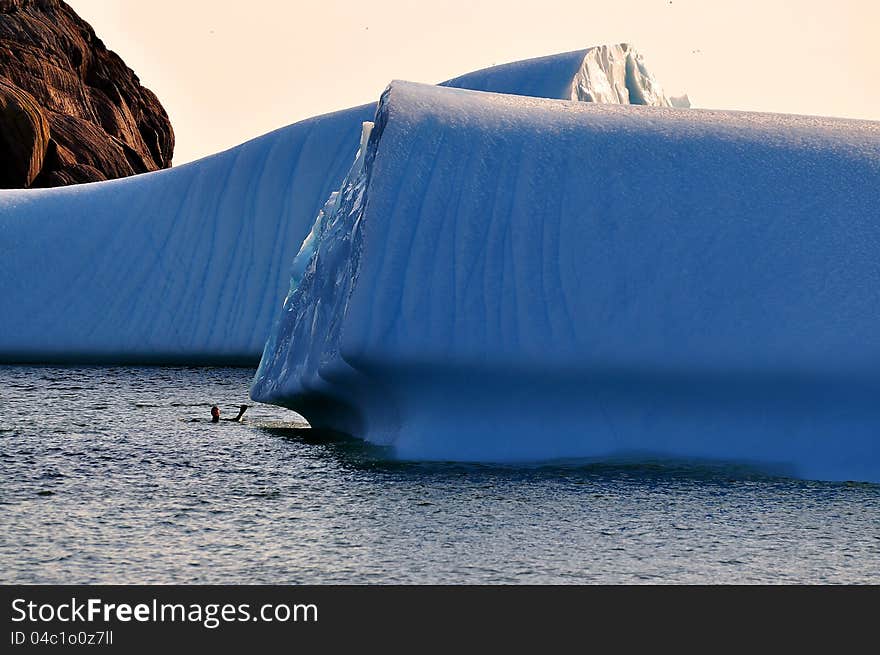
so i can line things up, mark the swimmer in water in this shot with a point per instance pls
(215, 414)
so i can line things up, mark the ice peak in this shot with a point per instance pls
(616, 74)
(610, 74)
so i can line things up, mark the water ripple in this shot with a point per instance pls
(116, 475)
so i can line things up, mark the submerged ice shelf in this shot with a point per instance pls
(507, 278)
(190, 265)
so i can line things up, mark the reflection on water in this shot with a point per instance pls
(116, 475)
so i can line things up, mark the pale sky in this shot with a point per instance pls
(227, 71)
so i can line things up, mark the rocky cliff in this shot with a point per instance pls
(71, 111)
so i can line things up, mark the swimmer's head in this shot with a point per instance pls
(215, 411)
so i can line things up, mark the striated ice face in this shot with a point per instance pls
(505, 278)
(330, 209)
(324, 271)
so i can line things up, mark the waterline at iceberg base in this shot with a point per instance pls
(505, 278)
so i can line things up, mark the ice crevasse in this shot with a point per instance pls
(509, 278)
(190, 265)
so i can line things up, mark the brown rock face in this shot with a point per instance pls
(24, 137)
(71, 111)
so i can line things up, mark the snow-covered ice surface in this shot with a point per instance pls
(507, 278)
(180, 266)
(190, 265)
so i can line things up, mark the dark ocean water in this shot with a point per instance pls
(105, 478)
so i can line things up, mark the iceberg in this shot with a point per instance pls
(190, 265)
(508, 278)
